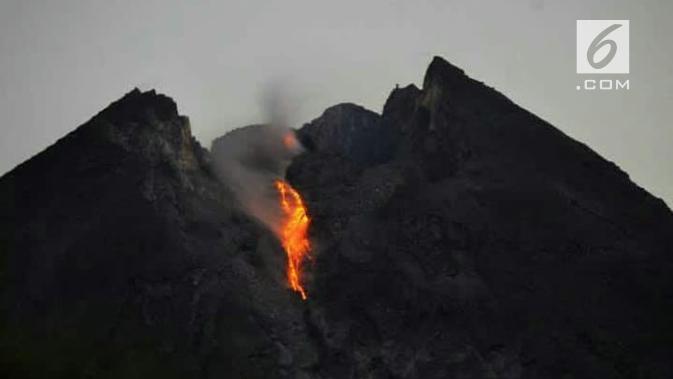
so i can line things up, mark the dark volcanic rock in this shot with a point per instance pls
(350, 131)
(491, 245)
(123, 257)
(454, 236)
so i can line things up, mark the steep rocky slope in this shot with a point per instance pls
(489, 245)
(123, 257)
(455, 235)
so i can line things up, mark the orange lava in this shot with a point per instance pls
(294, 234)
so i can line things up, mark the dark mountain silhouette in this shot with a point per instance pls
(455, 235)
(123, 257)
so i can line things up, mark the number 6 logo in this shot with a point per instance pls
(599, 42)
(594, 37)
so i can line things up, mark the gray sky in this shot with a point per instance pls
(63, 61)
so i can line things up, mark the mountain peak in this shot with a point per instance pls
(450, 224)
(442, 72)
(340, 109)
(145, 125)
(137, 105)
(346, 129)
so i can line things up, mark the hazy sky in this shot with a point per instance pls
(63, 61)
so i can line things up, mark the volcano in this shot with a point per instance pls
(454, 235)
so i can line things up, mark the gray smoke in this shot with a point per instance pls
(248, 160)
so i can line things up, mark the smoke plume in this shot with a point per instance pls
(249, 159)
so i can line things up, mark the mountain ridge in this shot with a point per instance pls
(454, 235)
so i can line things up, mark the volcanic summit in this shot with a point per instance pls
(454, 235)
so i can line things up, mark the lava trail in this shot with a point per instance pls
(294, 234)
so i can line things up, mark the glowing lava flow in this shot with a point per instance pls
(293, 234)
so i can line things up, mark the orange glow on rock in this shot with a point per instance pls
(294, 234)
(290, 141)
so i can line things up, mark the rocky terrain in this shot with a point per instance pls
(455, 235)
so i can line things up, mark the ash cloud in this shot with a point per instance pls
(249, 159)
